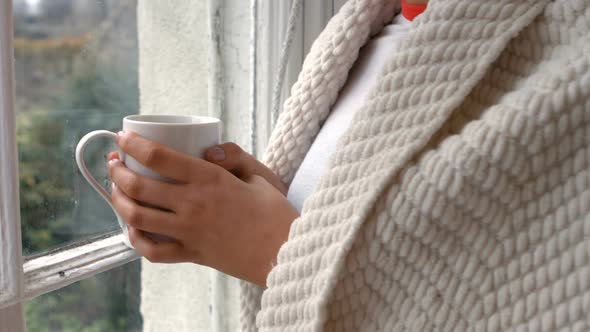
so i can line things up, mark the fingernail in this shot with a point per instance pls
(113, 186)
(113, 162)
(216, 154)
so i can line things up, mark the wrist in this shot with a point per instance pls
(283, 214)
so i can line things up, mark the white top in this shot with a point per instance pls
(363, 76)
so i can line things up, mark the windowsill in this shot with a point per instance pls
(70, 246)
(78, 261)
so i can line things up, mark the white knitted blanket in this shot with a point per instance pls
(460, 197)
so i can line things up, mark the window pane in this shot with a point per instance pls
(108, 302)
(76, 71)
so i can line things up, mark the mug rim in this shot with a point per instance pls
(208, 120)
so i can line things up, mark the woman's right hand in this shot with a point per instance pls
(233, 224)
(243, 165)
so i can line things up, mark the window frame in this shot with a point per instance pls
(11, 272)
(67, 265)
(272, 18)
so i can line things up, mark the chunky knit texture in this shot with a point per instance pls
(460, 197)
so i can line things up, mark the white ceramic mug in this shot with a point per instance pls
(191, 135)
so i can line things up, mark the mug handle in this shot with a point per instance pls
(86, 173)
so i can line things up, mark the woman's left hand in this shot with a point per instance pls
(216, 219)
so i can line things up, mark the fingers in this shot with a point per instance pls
(242, 164)
(156, 252)
(144, 218)
(143, 189)
(113, 155)
(163, 160)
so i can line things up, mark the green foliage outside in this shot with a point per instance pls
(57, 205)
(63, 93)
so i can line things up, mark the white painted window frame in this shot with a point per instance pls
(272, 17)
(11, 269)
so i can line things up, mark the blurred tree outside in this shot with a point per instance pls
(75, 71)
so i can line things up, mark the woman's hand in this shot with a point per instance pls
(235, 225)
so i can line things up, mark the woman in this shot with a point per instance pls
(456, 196)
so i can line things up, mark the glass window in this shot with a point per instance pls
(76, 69)
(107, 302)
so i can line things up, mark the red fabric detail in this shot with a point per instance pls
(411, 11)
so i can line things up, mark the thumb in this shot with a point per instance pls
(243, 165)
(231, 157)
